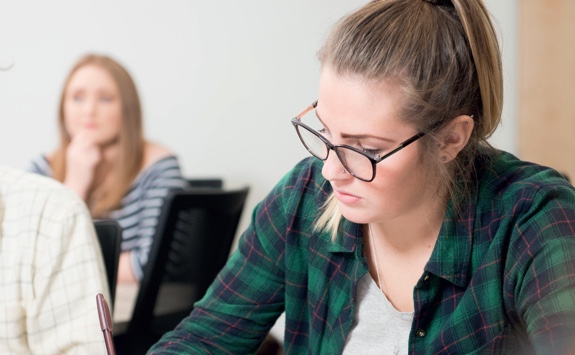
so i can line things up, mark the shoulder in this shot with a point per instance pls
(12, 180)
(159, 160)
(307, 178)
(302, 189)
(510, 179)
(41, 165)
(154, 152)
(161, 169)
(527, 205)
(306, 171)
(27, 195)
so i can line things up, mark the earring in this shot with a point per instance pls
(344, 171)
(443, 158)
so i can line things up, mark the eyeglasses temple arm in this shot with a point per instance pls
(403, 145)
(308, 109)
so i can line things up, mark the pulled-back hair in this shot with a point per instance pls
(444, 57)
(130, 139)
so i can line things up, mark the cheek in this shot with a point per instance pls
(399, 179)
(395, 170)
(113, 118)
(71, 120)
(116, 122)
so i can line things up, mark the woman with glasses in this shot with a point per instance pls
(407, 232)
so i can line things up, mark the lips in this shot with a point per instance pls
(346, 198)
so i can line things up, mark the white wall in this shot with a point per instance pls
(219, 80)
(505, 16)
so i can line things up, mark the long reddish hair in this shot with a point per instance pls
(128, 164)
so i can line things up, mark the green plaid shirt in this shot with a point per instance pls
(501, 279)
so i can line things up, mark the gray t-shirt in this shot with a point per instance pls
(378, 328)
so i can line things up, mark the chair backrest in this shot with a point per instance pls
(215, 183)
(195, 232)
(110, 237)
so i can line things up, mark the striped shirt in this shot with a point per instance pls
(140, 208)
(501, 277)
(51, 269)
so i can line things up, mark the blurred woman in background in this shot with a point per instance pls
(104, 157)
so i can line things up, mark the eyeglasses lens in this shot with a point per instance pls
(354, 162)
(313, 143)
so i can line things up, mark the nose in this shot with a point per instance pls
(333, 169)
(90, 107)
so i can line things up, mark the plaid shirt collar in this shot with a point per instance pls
(451, 257)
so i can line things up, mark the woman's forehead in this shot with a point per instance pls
(359, 104)
(92, 75)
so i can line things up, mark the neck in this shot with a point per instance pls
(411, 232)
(106, 165)
(110, 151)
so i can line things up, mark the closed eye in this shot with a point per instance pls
(372, 152)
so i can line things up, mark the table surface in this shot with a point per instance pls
(125, 300)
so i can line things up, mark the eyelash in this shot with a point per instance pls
(373, 152)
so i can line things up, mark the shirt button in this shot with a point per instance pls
(420, 333)
(426, 277)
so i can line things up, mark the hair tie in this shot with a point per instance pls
(446, 3)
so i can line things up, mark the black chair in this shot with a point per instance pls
(196, 229)
(214, 183)
(110, 237)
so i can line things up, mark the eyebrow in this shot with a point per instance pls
(354, 136)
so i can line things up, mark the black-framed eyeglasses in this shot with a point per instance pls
(358, 163)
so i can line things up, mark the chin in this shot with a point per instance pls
(354, 215)
(107, 141)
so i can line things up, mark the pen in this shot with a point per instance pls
(105, 323)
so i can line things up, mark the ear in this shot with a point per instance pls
(454, 137)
